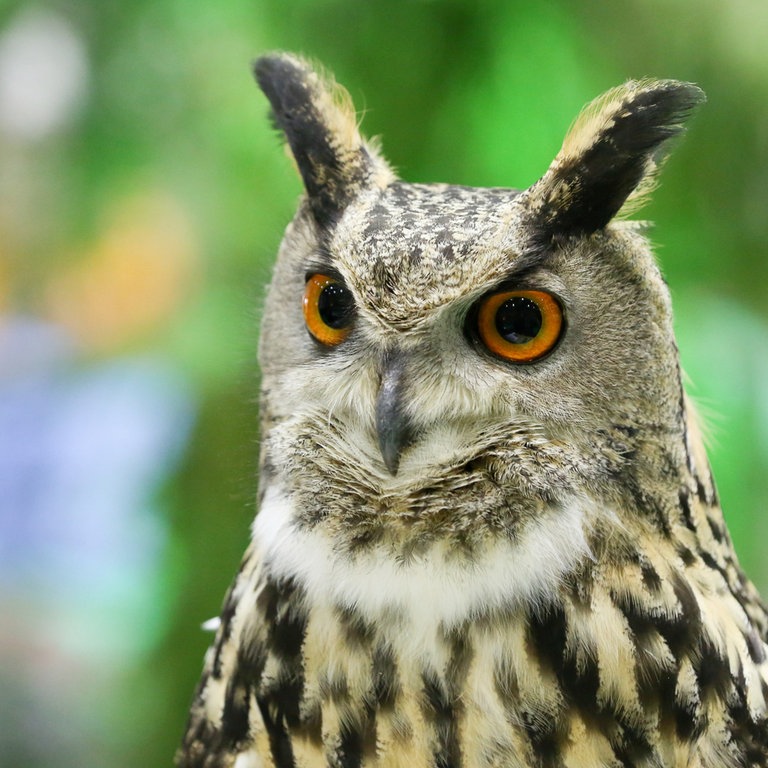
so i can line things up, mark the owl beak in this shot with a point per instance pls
(392, 423)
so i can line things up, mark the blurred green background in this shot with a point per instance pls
(142, 198)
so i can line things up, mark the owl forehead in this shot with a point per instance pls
(412, 248)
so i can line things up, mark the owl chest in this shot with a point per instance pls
(426, 662)
(362, 694)
(384, 660)
(504, 688)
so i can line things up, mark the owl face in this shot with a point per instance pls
(413, 296)
(419, 337)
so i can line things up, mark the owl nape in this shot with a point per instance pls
(487, 532)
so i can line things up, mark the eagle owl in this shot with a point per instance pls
(487, 531)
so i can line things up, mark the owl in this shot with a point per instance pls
(487, 532)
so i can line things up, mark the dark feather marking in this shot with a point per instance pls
(601, 178)
(755, 646)
(645, 503)
(657, 682)
(545, 738)
(746, 594)
(651, 578)
(685, 554)
(442, 702)
(689, 721)
(284, 695)
(718, 530)
(354, 742)
(581, 685)
(285, 619)
(702, 492)
(711, 562)
(358, 632)
(543, 727)
(386, 684)
(334, 688)
(280, 602)
(749, 734)
(279, 742)
(440, 710)
(286, 623)
(634, 749)
(580, 582)
(714, 495)
(579, 679)
(547, 633)
(227, 615)
(682, 409)
(712, 671)
(349, 750)
(681, 630)
(226, 628)
(203, 746)
(633, 746)
(235, 718)
(330, 178)
(685, 508)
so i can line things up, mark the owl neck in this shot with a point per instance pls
(499, 484)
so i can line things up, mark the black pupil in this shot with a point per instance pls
(334, 305)
(518, 320)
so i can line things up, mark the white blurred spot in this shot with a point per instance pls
(248, 760)
(43, 75)
(211, 625)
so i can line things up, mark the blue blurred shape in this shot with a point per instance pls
(84, 448)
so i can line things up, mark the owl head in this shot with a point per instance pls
(437, 355)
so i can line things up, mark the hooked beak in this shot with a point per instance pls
(392, 424)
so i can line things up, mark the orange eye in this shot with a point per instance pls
(328, 309)
(519, 326)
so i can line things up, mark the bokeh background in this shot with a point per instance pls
(142, 197)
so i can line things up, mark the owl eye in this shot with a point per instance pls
(328, 309)
(519, 326)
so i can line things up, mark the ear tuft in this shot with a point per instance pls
(611, 155)
(318, 120)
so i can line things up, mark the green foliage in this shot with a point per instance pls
(461, 91)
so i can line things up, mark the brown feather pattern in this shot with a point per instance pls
(365, 626)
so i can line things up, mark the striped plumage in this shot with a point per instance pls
(461, 562)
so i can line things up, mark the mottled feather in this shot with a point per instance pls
(460, 562)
